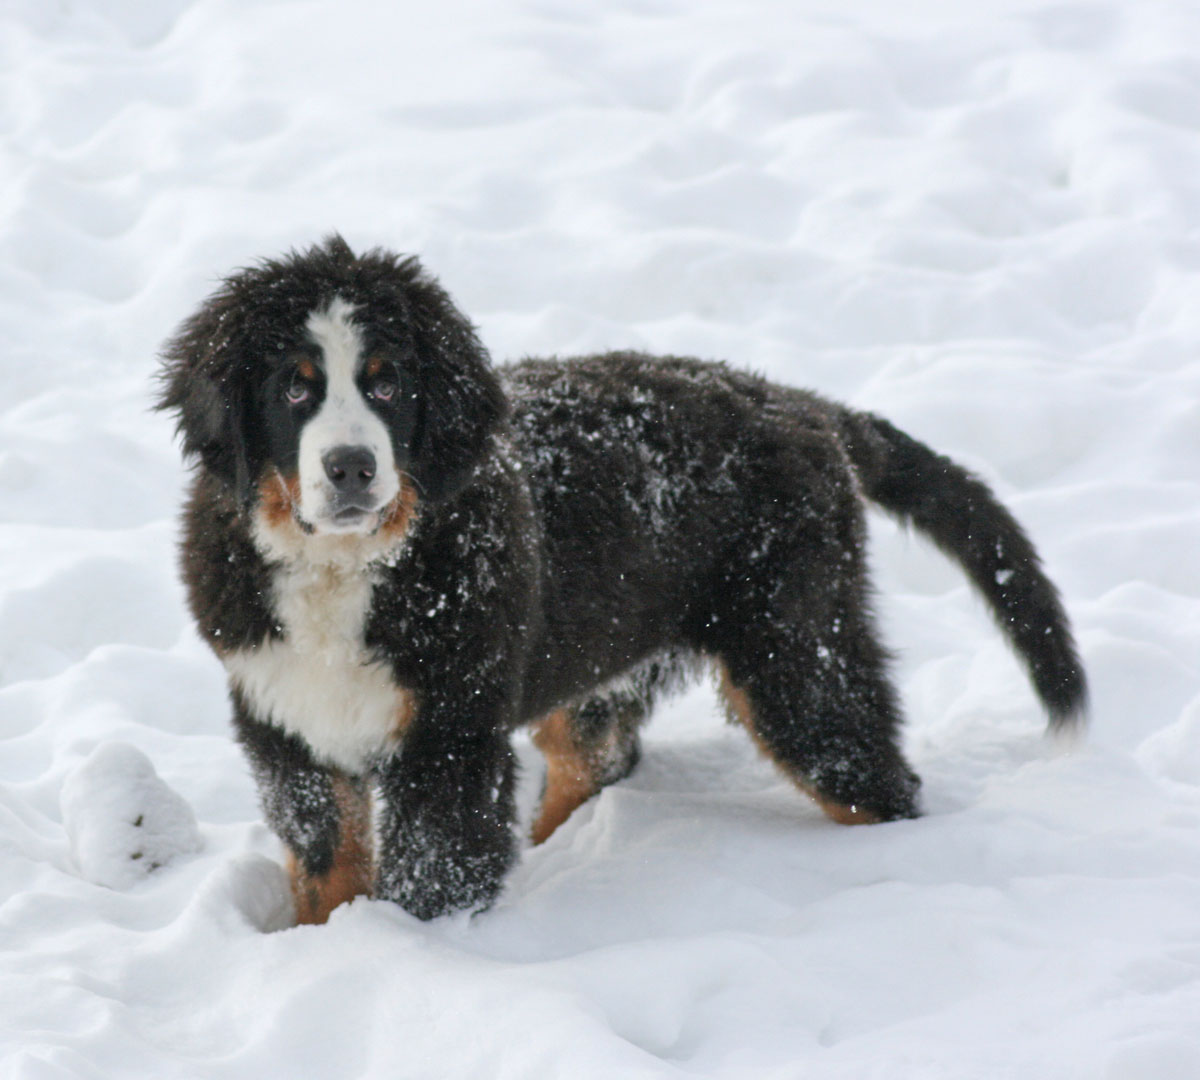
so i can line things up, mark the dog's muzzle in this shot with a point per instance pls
(350, 471)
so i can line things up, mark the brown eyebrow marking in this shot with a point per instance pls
(374, 366)
(307, 369)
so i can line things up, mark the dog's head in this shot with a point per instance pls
(329, 386)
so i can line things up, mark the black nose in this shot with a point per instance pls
(350, 468)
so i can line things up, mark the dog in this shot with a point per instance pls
(401, 553)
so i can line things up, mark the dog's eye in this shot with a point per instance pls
(298, 392)
(382, 388)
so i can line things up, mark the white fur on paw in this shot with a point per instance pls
(121, 819)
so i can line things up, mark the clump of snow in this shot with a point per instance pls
(250, 889)
(122, 820)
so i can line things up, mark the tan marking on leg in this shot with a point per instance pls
(840, 812)
(569, 776)
(353, 861)
(737, 703)
(738, 706)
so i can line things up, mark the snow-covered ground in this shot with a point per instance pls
(980, 219)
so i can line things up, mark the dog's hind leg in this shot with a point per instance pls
(586, 747)
(824, 712)
(789, 621)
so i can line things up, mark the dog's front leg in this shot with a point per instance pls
(444, 830)
(320, 813)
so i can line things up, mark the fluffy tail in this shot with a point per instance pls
(962, 516)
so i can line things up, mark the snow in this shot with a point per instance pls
(979, 220)
(122, 821)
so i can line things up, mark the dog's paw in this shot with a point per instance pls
(121, 819)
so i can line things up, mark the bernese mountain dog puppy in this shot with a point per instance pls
(401, 553)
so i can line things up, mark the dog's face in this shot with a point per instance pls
(337, 415)
(332, 390)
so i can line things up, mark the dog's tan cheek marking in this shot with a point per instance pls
(400, 514)
(737, 702)
(569, 778)
(278, 495)
(353, 866)
(405, 715)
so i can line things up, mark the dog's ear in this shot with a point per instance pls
(460, 401)
(199, 382)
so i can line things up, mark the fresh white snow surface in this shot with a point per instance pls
(981, 220)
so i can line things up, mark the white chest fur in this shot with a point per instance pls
(318, 682)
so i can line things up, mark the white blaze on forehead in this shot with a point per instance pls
(338, 336)
(344, 417)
